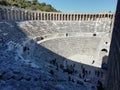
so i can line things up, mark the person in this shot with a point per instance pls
(99, 85)
(93, 61)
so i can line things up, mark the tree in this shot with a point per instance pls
(29, 4)
(3, 2)
(35, 2)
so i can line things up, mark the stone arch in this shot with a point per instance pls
(69, 16)
(106, 15)
(57, 17)
(60, 16)
(103, 16)
(78, 16)
(90, 17)
(75, 16)
(72, 17)
(104, 50)
(97, 16)
(81, 16)
(94, 17)
(42, 16)
(66, 17)
(111, 16)
(63, 17)
(85, 17)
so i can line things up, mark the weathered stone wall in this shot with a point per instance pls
(12, 13)
(114, 56)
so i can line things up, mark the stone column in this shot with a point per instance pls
(70, 17)
(80, 17)
(10, 14)
(77, 17)
(16, 12)
(73, 17)
(21, 14)
(97, 17)
(44, 16)
(51, 16)
(31, 15)
(4, 16)
(24, 15)
(88, 17)
(13, 15)
(15, 18)
(28, 15)
(35, 14)
(1, 13)
(48, 16)
(112, 15)
(65, 16)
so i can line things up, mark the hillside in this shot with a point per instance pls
(29, 4)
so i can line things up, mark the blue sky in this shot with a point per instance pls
(83, 6)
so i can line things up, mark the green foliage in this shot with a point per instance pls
(34, 2)
(3, 2)
(29, 4)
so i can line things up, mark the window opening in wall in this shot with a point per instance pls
(66, 34)
(94, 34)
(90, 17)
(106, 42)
(106, 15)
(94, 17)
(41, 38)
(72, 17)
(66, 17)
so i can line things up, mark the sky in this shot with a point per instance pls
(83, 6)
